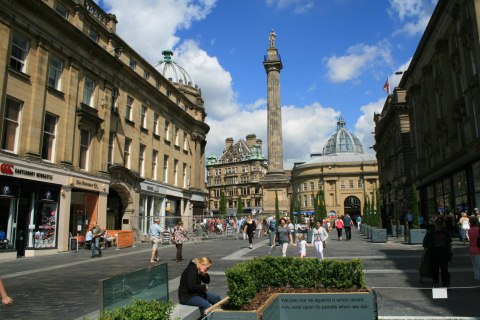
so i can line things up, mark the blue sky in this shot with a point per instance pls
(336, 57)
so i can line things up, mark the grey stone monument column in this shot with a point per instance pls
(275, 183)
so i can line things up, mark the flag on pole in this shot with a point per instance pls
(386, 86)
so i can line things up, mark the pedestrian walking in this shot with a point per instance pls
(320, 236)
(474, 238)
(259, 228)
(179, 235)
(438, 243)
(97, 233)
(464, 224)
(302, 246)
(339, 226)
(5, 298)
(347, 226)
(359, 221)
(155, 233)
(283, 236)
(249, 229)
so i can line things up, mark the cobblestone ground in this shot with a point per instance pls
(66, 285)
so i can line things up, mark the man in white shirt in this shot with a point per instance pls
(155, 233)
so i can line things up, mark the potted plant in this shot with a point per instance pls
(415, 235)
(378, 234)
(335, 289)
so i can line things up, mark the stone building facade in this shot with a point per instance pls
(237, 172)
(343, 172)
(443, 101)
(89, 130)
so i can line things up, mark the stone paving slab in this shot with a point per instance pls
(66, 285)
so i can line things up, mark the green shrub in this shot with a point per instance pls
(141, 310)
(245, 279)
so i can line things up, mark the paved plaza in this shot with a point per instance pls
(66, 285)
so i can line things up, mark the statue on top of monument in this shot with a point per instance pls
(273, 35)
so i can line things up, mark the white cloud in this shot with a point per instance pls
(215, 82)
(299, 6)
(140, 24)
(358, 59)
(304, 130)
(415, 15)
(262, 102)
(365, 124)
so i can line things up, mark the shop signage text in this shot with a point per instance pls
(8, 168)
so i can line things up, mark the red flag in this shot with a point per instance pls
(386, 87)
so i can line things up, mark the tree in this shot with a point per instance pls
(415, 210)
(277, 210)
(240, 206)
(321, 209)
(365, 210)
(223, 203)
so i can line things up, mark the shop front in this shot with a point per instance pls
(30, 206)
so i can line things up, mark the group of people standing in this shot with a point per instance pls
(177, 236)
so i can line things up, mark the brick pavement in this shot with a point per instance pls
(65, 285)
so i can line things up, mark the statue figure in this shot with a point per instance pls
(273, 35)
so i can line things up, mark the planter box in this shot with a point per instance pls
(216, 313)
(416, 236)
(379, 235)
(287, 306)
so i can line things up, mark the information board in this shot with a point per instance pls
(73, 244)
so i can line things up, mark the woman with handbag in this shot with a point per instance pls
(178, 237)
(320, 237)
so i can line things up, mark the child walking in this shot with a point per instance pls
(302, 246)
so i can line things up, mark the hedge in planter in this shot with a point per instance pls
(247, 278)
(141, 310)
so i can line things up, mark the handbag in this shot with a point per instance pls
(324, 244)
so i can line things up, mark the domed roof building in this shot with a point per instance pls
(343, 172)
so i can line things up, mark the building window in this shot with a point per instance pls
(360, 184)
(305, 200)
(304, 186)
(133, 64)
(167, 130)
(143, 117)
(48, 143)
(320, 185)
(154, 164)
(126, 153)
(177, 136)
(184, 173)
(111, 143)
(158, 85)
(114, 101)
(94, 35)
(312, 186)
(61, 10)
(146, 75)
(89, 89)
(18, 56)
(129, 108)
(165, 168)
(342, 184)
(11, 123)
(185, 141)
(55, 73)
(350, 184)
(155, 123)
(175, 171)
(312, 200)
(84, 148)
(141, 160)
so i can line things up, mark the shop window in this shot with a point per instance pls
(84, 148)
(46, 221)
(48, 143)
(18, 56)
(11, 123)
